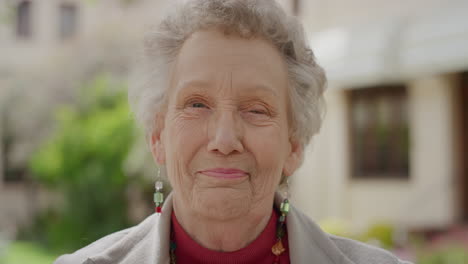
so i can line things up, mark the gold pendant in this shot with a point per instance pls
(278, 248)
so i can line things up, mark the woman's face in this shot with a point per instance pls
(224, 137)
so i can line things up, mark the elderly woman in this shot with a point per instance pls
(231, 97)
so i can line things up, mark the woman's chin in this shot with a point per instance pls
(222, 203)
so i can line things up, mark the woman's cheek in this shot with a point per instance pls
(195, 113)
(188, 119)
(188, 134)
(266, 144)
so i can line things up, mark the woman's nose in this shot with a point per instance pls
(225, 134)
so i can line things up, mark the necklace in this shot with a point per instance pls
(277, 249)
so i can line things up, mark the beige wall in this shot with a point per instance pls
(15, 208)
(432, 108)
(323, 187)
(320, 188)
(19, 203)
(324, 14)
(373, 52)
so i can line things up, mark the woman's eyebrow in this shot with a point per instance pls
(201, 87)
(190, 87)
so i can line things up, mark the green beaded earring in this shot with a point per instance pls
(278, 247)
(158, 194)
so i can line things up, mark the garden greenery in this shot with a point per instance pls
(83, 162)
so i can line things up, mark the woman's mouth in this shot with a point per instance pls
(227, 173)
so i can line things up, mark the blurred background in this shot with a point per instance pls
(390, 166)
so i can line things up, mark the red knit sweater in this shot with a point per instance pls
(259, 251)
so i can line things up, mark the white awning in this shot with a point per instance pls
(436, 44)
(395, 49)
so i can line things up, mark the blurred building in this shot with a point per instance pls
(395, 136)
(48, 48)
(394, 142)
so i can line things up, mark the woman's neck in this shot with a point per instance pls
(223, 235)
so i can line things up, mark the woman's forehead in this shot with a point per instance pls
(237, 93)
(212, 59)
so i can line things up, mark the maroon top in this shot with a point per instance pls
(258, 252)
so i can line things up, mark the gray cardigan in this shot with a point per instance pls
(148, 243)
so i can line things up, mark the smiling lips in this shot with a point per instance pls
(227, 173)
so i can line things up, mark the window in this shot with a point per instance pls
(68, 20)
(295, 7)
(379, 132)
(23, 20)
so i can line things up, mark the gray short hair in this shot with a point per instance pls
(247, 19)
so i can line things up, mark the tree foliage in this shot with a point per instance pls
(83, 161)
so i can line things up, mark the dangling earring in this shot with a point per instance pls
(278, 247)
(284, 207)
(158, 194)
(286, 191)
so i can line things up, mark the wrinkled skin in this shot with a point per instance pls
(227, 107)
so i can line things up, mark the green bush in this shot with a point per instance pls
(21, 252)
(337, 227)
(447, 255)
(83, 162)
(382, 233)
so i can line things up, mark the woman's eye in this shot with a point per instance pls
(258, 112)
(198, 105)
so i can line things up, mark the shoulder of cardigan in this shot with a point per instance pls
(148, 243)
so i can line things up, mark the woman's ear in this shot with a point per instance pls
(157, 140)
(294, 158)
